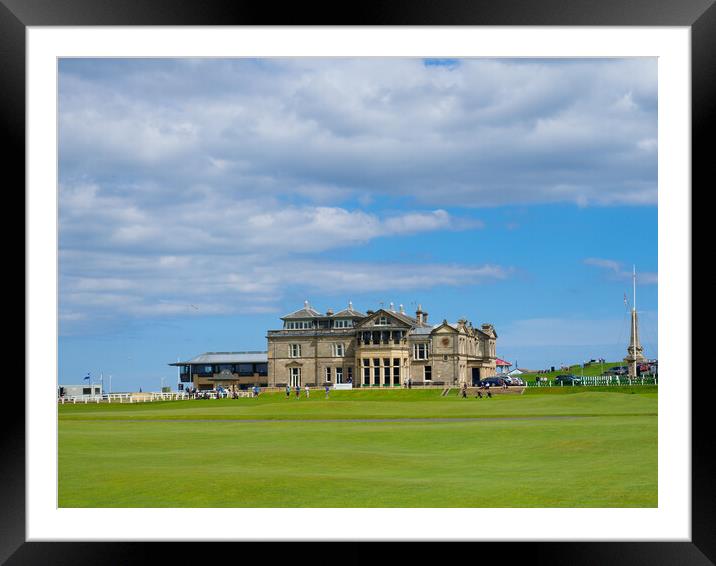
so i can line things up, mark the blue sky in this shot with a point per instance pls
(200, 200)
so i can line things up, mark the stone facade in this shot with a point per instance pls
(383, 348)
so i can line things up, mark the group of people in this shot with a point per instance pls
(484, 387)
(220, 393)
(306, 389)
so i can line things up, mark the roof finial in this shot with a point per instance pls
(402, 308)
(392, 306)
(305, 304)
(350, 305)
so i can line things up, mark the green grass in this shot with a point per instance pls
(213, 454)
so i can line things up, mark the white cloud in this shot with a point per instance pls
(92, 218)
(187, 182)
(504, 132)
(198, 285)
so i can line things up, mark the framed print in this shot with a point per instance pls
(237, 227)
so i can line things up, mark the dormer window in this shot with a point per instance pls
(299, 324)
(382, 321)
(342, 323)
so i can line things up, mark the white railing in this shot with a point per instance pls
(597, 380)
(122, 398)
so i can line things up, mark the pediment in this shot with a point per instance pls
(445, 328)
(370, 323)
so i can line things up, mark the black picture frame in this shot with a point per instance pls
(698, 15)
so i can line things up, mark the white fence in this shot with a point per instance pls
(597, 381)
(122, 398)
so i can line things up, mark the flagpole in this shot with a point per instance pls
(633, 319)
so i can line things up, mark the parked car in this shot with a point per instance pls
(516, 381)
(618, 370)
(567, 380)
(493, 381)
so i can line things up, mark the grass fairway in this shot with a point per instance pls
(579, 449)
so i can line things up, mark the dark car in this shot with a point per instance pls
(618, 370)
(567, 380)
(493, 382)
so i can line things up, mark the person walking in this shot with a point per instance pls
(288, 391)
(308, 391)
(298, 391)
(464, 391)
(328, 388)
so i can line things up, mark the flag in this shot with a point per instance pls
(87, 376)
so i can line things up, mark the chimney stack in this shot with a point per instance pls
(419, 314)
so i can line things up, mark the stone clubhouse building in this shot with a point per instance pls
(382, 348)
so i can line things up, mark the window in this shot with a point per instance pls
(339, 375)
(366, 375)
(350, 374)
(420, 351)
(386, 375)
(262, 369)
(366, 362)
(339, 350)
(382, 321)
(299, 324)
(246, 369)
(295, 377)
(396, 361)
(396, 375)
(294, 351)
(342, 323)
(328, 374)
(428, 373)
